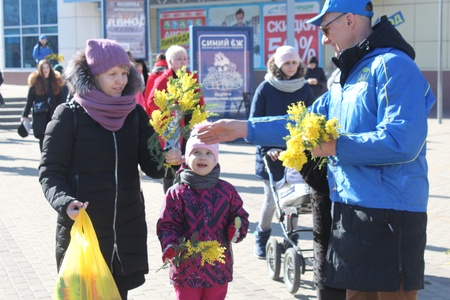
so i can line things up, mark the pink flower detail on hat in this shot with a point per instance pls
(104, 54)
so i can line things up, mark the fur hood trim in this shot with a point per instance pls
(32, 78)
(80, 80)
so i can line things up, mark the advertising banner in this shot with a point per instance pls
(267, 20)
(125, 22)
(223, 58)
(242, 15)
(174, 26)
(306, 35)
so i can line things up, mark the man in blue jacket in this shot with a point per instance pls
(377, 170)
(41, 49)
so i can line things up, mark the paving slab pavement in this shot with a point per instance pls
(27, 226)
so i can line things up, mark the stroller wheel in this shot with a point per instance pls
(273, 258)
(292, 269)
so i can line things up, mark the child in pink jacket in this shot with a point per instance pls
(204, 204)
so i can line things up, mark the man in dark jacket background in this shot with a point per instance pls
(315, 76)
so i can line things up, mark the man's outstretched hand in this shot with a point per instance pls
(224, 130)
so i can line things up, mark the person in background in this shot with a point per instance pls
(64, 89)
(45, 88)
(240, 18)
(139, 96)
(130, 56)
(141, 67)
(203, 205)
(158, 68)
(284, 84)
(41, 49)
(91, 153)
(316, 78)
(316, 177)
(377, 169)
(176, 57)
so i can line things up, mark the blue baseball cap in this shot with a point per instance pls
(357, 7)
(42, 37)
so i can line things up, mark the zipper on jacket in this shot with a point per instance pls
(388, 224)
(116, 199)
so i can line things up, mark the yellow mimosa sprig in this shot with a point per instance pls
(209, 251)
(307, 130)
(180, 99)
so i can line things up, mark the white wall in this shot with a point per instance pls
(77, 22)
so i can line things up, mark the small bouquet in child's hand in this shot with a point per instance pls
(182, 98)
(209, 251)
(307, 130)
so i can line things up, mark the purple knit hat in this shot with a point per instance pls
(103, 54)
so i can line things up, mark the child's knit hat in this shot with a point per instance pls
(194, 142)
(104, 54)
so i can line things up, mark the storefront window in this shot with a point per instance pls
(24, 22)
(12, 52)
(48, 12)
(11, 14)
(28, 12)
(28, 43)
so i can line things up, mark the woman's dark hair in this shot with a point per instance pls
(277, 73)
(313, 60)
(160, 56)
(41, 86)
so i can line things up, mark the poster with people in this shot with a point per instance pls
(246, 15)
(223, 58)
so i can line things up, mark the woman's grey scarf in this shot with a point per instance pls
(287, 86)
(196, 181)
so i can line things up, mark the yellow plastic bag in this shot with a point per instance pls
(84, 273)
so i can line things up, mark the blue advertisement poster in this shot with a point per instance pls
(223, 58)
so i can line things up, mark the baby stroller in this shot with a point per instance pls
(292, 197)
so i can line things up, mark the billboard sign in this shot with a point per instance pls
(174, 26)
(223, 58)
(126, 23)
(306, 35)
(267, 20)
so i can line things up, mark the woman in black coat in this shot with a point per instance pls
(91, 153)
(45, 90)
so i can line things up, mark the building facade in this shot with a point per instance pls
(69, 23)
